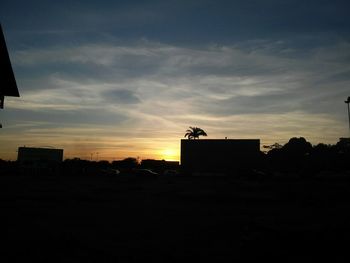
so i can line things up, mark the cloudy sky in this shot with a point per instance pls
(127, 78)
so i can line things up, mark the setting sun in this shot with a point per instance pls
(108, 92)
(170, 154)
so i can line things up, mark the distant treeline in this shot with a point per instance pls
(77, 166)
(298, 156)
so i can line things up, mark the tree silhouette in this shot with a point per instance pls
(275, 146)
(297, 147)
(195, 132)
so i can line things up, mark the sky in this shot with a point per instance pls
(106, 80)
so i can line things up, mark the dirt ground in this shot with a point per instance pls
(172, 219)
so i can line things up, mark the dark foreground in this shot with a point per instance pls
(119, 219)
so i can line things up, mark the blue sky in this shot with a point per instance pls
(127, 78)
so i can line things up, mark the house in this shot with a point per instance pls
(8, 86)
(219, 155)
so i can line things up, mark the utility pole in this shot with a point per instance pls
(347, 102)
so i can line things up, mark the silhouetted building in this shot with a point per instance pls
(36, 156)
(8, 86)
(344, 142)
(219, 155)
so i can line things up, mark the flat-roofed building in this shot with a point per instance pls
(219, 155)
(31, 155)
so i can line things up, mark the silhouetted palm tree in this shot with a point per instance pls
(195, 132)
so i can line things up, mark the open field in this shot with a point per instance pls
(133, 219)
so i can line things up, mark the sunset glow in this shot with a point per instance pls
(93, 86)
(170, 155)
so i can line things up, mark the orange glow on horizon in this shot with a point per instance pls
(170, 154)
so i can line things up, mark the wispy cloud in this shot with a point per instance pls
(151, 92)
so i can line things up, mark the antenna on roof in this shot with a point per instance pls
(8, 86)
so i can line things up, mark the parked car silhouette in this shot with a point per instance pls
(144, 172)
(171, 172)
(109, 171)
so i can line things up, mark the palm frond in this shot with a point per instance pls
(194, 132)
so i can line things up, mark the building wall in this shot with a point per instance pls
(211, 155)
(34, 155)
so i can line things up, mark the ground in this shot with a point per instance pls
(172, 219)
